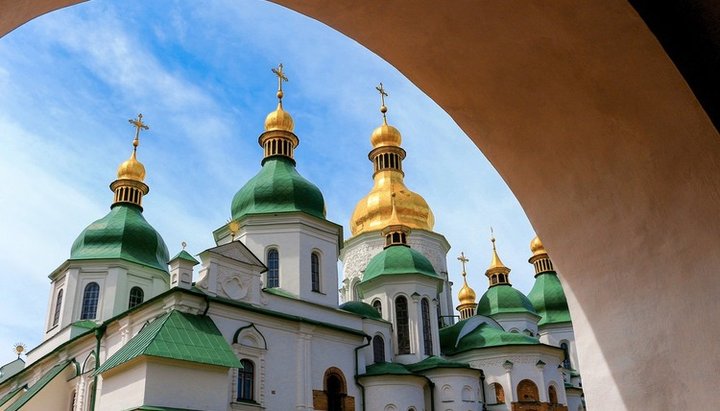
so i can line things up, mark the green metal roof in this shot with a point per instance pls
(362, 309)
(39, 385)
(278, 187)
(548, 298)
(7, 397)
(155, 408)
(180, 336)
(503, 298)
(184, 255)
(386, 368)
(125, 234)
(281, 292)
(474, 333)
(435, 362)
(398, 260)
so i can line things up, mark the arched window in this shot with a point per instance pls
(378, 306)
(315, 271)
(552, 395)
(566, 355)
(273, 265)
(427, 334)
(335, 389)
(527, 391)
(378, 349)
(499, 393)
(90, 301)
(137, 295)
(58, 306)
(246, 381)
(403, 330)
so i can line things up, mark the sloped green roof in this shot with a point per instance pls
(435, 362)
(503, 298)
(7, 397)
(386, 368)
(277, 188)
(361, 308)
(155, 408)
(548, 298)
(180, 336)
(125, 234)
(397, 260)
(473, 333)
(281, 292)
(39, 385)
(184, 255)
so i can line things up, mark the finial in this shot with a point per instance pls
(383, 107)
(281, 77)
(138, 123)
(492, 238)
(19, 349)
(234, 227)
(183, 244)
(463, 260)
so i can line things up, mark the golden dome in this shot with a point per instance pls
(466, 295)
(385, 135)
(496, 264)
(537, 247)
(279, 120)
(375, 211)
(131, 169)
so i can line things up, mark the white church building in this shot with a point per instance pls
(257, 323)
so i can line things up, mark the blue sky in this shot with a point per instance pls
(200, 74)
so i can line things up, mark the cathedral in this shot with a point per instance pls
(257, 322)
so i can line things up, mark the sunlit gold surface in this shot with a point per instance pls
(279, 120)
(385, 135)
(466, 295)
(536, 246)
(496, 265)
(375, 210)
(132, 169)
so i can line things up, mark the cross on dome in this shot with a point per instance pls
(383, 94)
(139, 125)
(281, 77)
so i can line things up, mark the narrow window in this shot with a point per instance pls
(90, 301)
(315, 271)
(378, 349)
(273, 265)
(378, 306)
(427, 335)
(246, 380)
(527, 391)
(58, 306)
(335, 391)
(566, 355)
(499, 393)
(552, 395)
(137, 295)
(403, 331)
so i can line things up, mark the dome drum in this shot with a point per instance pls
(387, 158)
(129, 191)
(278, 142)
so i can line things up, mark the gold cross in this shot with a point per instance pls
(383, 94)
(463, 260)
(138, 126)
(281, 77)
(492, 237)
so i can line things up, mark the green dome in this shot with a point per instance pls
(398, 259)
(475, 333)
(361, 308)
(277, 188)
(123, 233)
(548, 298)
(504, 298)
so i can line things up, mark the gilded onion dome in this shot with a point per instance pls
(374, 211)
(537, 247)
(466, 295)
(279, 119)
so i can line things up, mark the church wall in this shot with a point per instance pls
(456, 389)
(518, 323)
(402, 392)
(186, 385)
(123, 388)
(556, 334)
(374, 328)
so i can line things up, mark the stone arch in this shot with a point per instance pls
(250, 336)
(499, 392)
(468, 394)
(90, 362)
(527, 391)
(446, 393)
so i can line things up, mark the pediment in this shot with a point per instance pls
(235, 250)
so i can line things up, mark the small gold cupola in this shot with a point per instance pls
(373, 212)
(396, 232)
(497, 273)
(129, 188)
(540, 259)
(278, 139)
(467, 295)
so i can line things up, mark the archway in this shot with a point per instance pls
(626, 152)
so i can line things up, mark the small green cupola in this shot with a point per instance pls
(547, 295)
(124, 233)
(501, 297)
(398, 258)
(278, 187)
